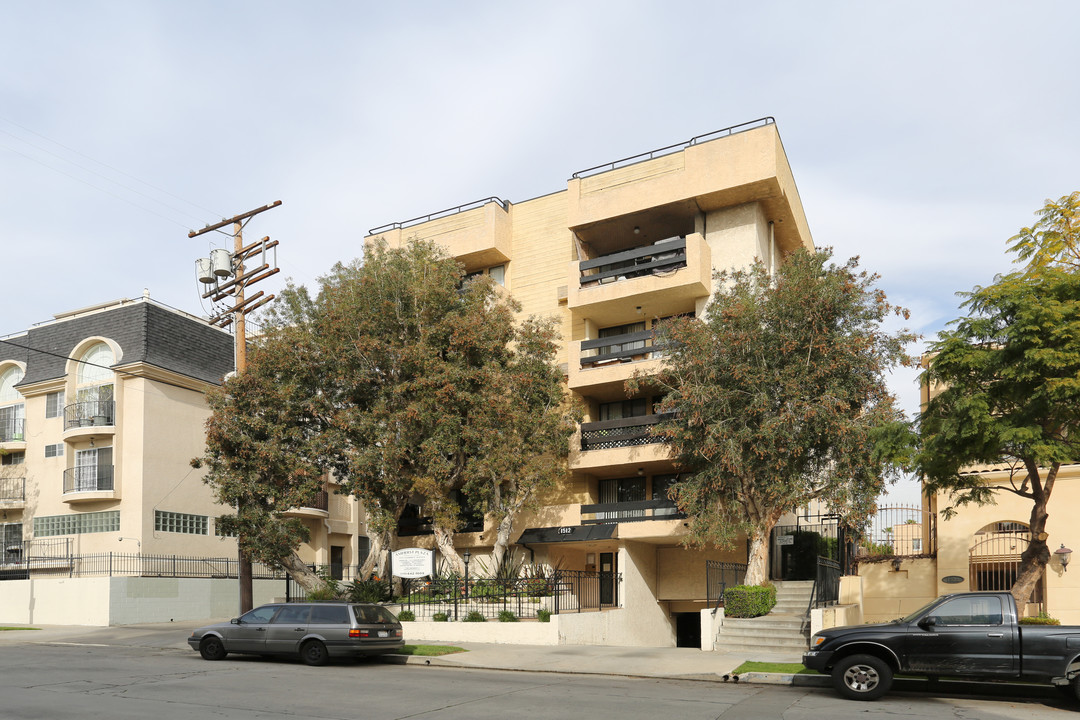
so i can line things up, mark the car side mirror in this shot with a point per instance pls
(928, 622)
(235, 621)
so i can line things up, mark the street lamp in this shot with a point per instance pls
(1064, 555)
(467, 556)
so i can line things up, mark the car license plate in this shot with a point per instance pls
(383, 633)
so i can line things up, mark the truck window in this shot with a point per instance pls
(982, 610)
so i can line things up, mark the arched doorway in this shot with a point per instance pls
(994, 558)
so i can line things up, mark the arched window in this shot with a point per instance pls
(94, 365)
(93, 389)
(12, 409)
(994, 558)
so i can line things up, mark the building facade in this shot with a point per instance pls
(623, 246)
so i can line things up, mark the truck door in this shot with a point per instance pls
(964, 636)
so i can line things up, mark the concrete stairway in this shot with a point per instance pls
(782, 631)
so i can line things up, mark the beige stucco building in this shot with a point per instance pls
(621, 247)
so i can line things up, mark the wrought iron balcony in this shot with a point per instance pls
(92, 478)
(620, 512)
(91, 413)
(12, 489)
(624, 432)
(662, 257)
(12, 429)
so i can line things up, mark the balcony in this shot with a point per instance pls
(604, 364)
(620, 512)
(610, 446)
(477, 233)
(13, 430)
(316, 507)
(90, 417)
(666, 278)
(89, 483)
(12, 493)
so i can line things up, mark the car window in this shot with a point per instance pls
(982, 610)
(329, 615)
(374, 614)
(259, 614)
(293, 614)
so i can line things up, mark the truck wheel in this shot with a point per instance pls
(862, 677)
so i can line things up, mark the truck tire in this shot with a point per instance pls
(862, 677)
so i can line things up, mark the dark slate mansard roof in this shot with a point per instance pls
(144, 331)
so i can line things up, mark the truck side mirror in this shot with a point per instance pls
(928, 622)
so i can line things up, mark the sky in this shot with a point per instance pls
(921, 135)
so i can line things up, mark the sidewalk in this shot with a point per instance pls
(646, 662)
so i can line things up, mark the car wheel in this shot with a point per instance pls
(1074, 687)
(313, 652)
(862, 677)
(211, 648)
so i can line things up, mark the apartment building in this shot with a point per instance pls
(101, 412)
(623, 246)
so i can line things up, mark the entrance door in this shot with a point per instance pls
(337, 562)
(607, 579)
(688, 630)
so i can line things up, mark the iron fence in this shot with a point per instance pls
(826, 586)
(719, 576)
(900, 531)
(55, 560)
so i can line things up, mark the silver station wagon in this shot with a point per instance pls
(315, 632)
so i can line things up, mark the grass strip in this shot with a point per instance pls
(429, 650)
(18, 628)
(773, 667)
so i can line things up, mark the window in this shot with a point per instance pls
(94, 393)
(624, 409)
(56, 450)
(181, 523)
(498, 274)
(259, 615)
(81, 524)
(13, 458)
(12, 410)
(981, 610)
(293, 614)
(94, 365)
(329, 614)
(661, 484)
(92, 471)
(621, 491)
(11, 538)
(54, 404)
(916, 545)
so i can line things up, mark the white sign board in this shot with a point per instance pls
(785, 539)
(413, 562)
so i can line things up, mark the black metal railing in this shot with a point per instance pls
(561, 591)
(90, 478)
(662, 257)
(899, 531)
(90, 413)
(619, 348)
(719, 576)
(439, 214)
(624, 432)
(58, 561)
(12, 489)
(671, 149)
(12, 429)
(320, 501)
(636, 511)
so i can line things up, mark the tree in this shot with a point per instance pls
(777, 397)
(1054, 240)
(406, 380)
(1009, 395)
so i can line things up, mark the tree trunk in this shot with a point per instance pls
(1035, 559)
(502, 541)
(377, 559)
(300, 572)
(756, 564)
(444, 540)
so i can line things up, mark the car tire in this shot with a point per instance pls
(313, 652)
(211, 648)
(862, 677)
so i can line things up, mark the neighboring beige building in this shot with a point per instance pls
(623, 246)
(101, 412)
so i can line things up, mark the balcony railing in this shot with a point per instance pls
(624, 432)
(619, 348)
(92, 413)
(321, 501)
(664, 256)
(619, 512)
(12, 429)
(92, 478)
(12, 489)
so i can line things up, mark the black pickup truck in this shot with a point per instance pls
(965, 635)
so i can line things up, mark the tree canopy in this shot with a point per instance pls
(1054, 240)
(408, 381)
(777, 397)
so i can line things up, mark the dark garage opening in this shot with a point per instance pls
(688, 630)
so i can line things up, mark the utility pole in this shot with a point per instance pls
(221, 264)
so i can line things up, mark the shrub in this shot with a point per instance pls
(440, 617)
(543, 615)
(1040, 619)
(327, 592)
(373, 590)
(406, 616)
(507, 616)
(744, 601)
(474, 616)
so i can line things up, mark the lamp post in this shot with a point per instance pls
(466, 556)
(1064, 555)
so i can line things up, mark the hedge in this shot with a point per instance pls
(746, 601)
